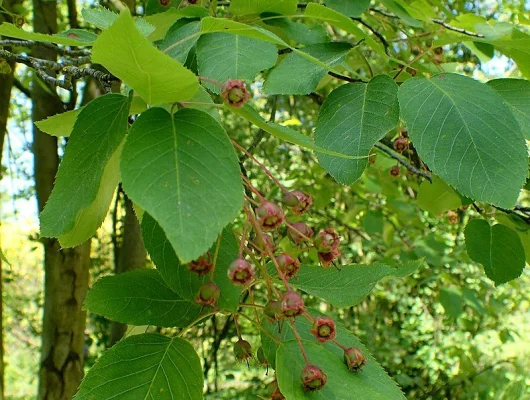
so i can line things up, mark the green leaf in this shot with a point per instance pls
(452, 301)
(103, 18)
(517, 47)
(145, 366)
(341, 21)
(308, 75)
(175, 44)
(350, 8)
(60, 124)
(140, 297)
(179, 278)
(465, 133)
(341, 383)
(371, 383)
(155, 76)
(243, 7)
(163, 21)
(299, 32)
(373, 222)
(347, 287)
(223, 56)
(400, 9)
(184, 172)
(497, 248)
(437, 197)
(516, 94)
(282, 132)
(12, 31)
(74, 211)
(212, 25)
(518, 225)
(352, 119)
(82, 35)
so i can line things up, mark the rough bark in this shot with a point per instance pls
(66, 270)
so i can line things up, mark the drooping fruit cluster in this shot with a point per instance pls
(298, 201)
(270, 215)
(401, 144)
(327, 245)
(395, 171)
(292, 304)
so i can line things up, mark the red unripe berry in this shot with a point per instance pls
(453, 217)
(401, 144)
(300, 232)
(241, 272)
(277, 395)
(299, 201)
(208, 294)
(354, 359)
(273, 309)
(327, 241)
(234, 92)
(395, 171)
(288, 264)
(292, 304)
(270, 215)
(324, 329)
(326, 259)
(242, 350)
(201, 265)
(404, 133)
(313, 378)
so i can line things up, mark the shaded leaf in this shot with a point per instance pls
(350, 285)
(307, 74)
(437, 197)
(145, 366)
(180, 38)
(466, 134)
(497, 248)
(103, 18)
(242, 7)
(300, 32)
(516, 94)
(164, 20)
(179, 278)
(223, 56)
(183, 171)
(352, 119)
(140, 297)
(74, 211)
(350, 8)
(155, 76)
(452, 301)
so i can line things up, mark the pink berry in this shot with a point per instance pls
(299, 201)
(270, 215)
(288, 265)
(354, 359)
(292, 304)
(241, 272)
(234, 92)
(300, 232)
(201, 265)
(208, 294)
(313, 378)
(324, 329)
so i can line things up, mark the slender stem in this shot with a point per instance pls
(253, 189)
(251, 305)
(299, 340)
(196, 321)
(212, 81)
(410, 167)
(237, 326)
(218, 245)
(260, 327)
(261, 165)
(243, 237)
(455, 29)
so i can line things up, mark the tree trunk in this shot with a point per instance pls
(132, 255)
(66, 270)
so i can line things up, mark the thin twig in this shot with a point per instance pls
(31, 43)
(375, 32)
(400, 160)
(455, 29)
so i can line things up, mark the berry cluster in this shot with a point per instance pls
(264, 220)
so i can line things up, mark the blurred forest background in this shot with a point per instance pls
(443, 333)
